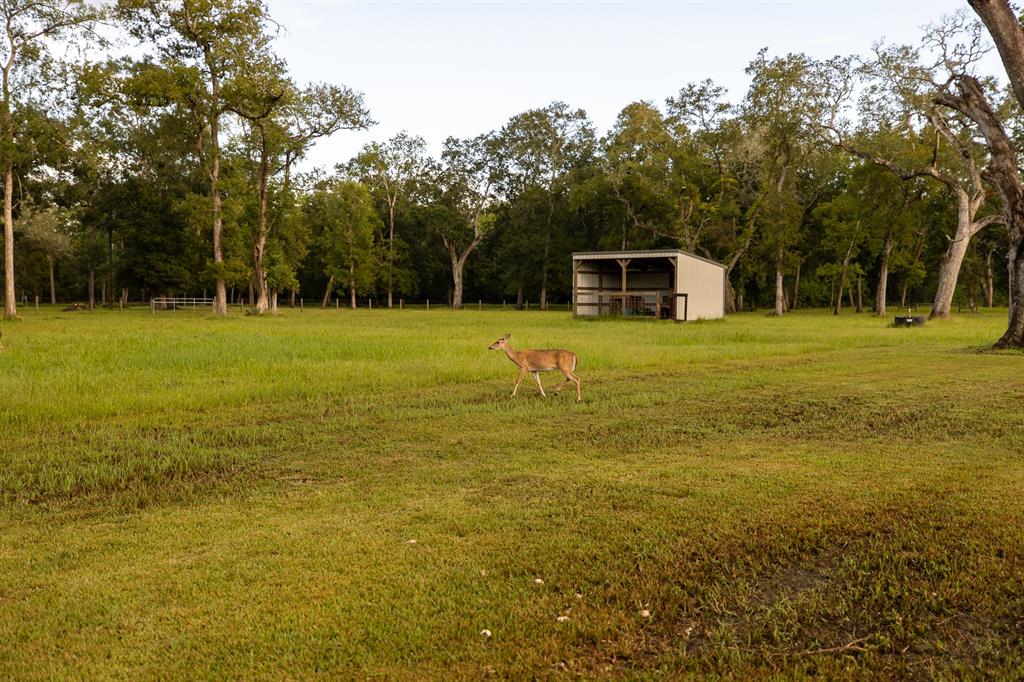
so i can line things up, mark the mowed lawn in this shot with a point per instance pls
(183, 497)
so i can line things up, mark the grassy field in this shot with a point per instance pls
(183, 497)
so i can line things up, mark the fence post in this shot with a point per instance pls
(301, 300)
(527, 305)
(401, 304)
(152, 306)
(480, 305)
(37, 304)
(369, 303)
(428, 302)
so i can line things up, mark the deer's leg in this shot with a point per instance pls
(536, 375)
(576, 380)
(565, 380)
(522, 373)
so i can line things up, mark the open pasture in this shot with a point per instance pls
(183, 497)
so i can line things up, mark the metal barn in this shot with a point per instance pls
(661, 283)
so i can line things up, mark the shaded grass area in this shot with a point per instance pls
(183, 496)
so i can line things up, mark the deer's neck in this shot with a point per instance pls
(511, 354)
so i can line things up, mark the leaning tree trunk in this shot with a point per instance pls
(949, 269)
(1003, 170)
(780, 292)
(883, 277)
(842, 277)
(327, 292)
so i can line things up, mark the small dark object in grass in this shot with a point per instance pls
(908, 321)
(75, 306)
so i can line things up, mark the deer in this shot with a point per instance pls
(536, 361)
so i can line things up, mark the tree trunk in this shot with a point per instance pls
(456, 293)
(780, 292)
(544, 271)
(252, 293)
(92, 288)
(259, 249)
(391, 251)
(832, 294)
(949, 271)
(842, 277)
(327, 292)
(519, 297)
(10, 297)
(796, 285)
(53, 281)
(883, 277)
(291, 297)
(860, 297)
(989, 278)
(273, 302)
(108, 297)
(352, 284)
(739, 299)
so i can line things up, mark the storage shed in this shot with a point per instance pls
(661, 283)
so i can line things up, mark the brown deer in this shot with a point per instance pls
(536, 361)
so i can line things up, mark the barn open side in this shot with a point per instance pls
(661, 283)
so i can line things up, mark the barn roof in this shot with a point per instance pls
(640, 253)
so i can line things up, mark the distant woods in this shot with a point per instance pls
(858, 183)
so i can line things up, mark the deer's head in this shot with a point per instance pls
(500, 344)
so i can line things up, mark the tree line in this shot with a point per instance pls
(860, 182)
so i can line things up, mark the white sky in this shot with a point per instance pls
(462, 68)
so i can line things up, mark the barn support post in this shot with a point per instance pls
(575, 285)
(624, 264)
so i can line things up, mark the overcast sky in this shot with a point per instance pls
(461, 68)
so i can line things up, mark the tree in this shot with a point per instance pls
(543, 145)
(778, 112)
(1005, 28)
(30, 28)
(902, 93)
(392, 170)
(45, 229)
(283, 122)
(342, 218)
(637, 165)
(212, 47)
(466, 181)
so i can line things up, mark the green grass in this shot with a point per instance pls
(186, 497)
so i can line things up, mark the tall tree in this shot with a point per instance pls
(214, 46)
(344, 220)
(392, 170)
(1005, 28)
(467, 180)
(31, 28)
(543, 145)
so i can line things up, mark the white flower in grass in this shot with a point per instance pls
(562, 619)
(486, 634)
(538, 581)
(411, 542)
(644, 613)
